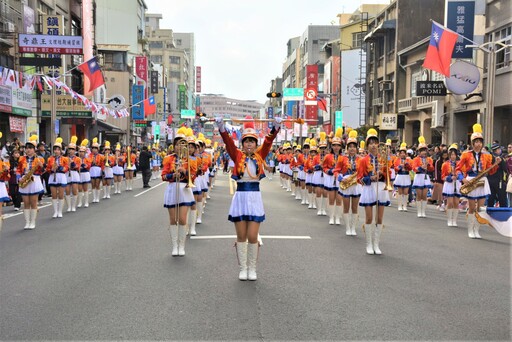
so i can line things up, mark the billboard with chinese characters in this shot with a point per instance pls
(352, 86)
(44, 43)
(198, 79)
(388, 122)
(312, 85)
(460, 17)
(66, 106)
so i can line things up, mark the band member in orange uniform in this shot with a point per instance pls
(108, 172)
(451, 185)
(118, 169)
(30, 191)
(346, 168)
(318, 175)
(302, 172)
(331, 183)
(309, 168)
(372, 171)
(85, 175)
(402, 166)
(4, 178)
(57, 167)
(421, 165)
(73, 176)
(97, 165)
(470, 165)
(246, 210)
(129, 169)
(193, 160)
(178, 197)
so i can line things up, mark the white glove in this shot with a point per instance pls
(278, 121)
(220, 124)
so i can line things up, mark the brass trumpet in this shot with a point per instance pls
(384, 160)
(182, 153)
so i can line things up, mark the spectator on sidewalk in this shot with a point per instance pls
(145, 166)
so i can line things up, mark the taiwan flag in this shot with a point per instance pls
(92, 71)
(439, 53)
(149, 106)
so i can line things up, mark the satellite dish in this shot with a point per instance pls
(116, 102)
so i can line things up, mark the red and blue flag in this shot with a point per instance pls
(92, 71)
(440, 48)
(149, 106)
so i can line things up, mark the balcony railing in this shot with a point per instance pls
(377, 101)
(407, 105)
(424, 101)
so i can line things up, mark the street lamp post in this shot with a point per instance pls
(491, 48)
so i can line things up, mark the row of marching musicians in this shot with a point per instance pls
(336, 184)
(190, 173)
(70, 175)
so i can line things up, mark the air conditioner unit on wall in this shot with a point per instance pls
(9, 27)
(385, 85)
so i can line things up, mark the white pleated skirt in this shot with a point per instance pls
(330, 183)
(392, 174)
(33, 188)
(95, 172)
(73, 177)
(481, 191)
(132, 168)
(309, 178)
(58, 179)
(422, 181)
(301, 176)
(353, 191)
(448, 189)
(108, 173)
(369, 197)
(118, 170)
(317, 179)
(204, 183)
(197, 189)
(287, 170)
(247, 203)
(4, 195)
(85, 177)
(402, 181)
(182, 195)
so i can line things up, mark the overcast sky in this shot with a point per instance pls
(241, 44)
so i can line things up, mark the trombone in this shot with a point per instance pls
(182, 153)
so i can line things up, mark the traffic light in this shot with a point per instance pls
(201, 116)
(273, 95)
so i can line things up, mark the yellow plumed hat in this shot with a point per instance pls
(403, 146)
(189, 136)
(32, 140)
(312, 143)
(180, 134)
(322, 140)
(95, 143)
(306, 143)
(215, 144)
(298, 148)
(201, 138)
(83, 145)
(388, 142)
(453, 147)
(118, 147)
(107, 145)
(422, 144)
(58, 142)
(352, 137)
(362, 145)
(72, 142)
(337, 137)
(372, 133)
(477, 132)
(208, 143)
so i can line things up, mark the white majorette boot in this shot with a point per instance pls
(423, 208)
(354, 221)
(292, 186)
(68, 202)
(182, 237)
(55, 203)
(86, 199)
(174, 239)
(241, 252)
(330, 208)
(324, 205)
(337, 214)
(319, 203)
(399, 200)
(105, 191)
(405, 197)
(108, 191)
(304, 194)
(471, 225)
(192, 222)
(311, 199)
(80, 199)
(61, 207)
(346, 219)
(315, 201)
(476, 228)
(418, 208)
(252, 259)
(26, 213)
(455, 214)
(368, 232)
(376, 238)
(73, 203)
(199, 215)
(33, 217)
(449, 217)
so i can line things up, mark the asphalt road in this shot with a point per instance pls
(106, 273)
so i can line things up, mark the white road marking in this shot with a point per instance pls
(152, 188)
(284, 237)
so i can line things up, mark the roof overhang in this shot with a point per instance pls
(108, 127)
(381, 29)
